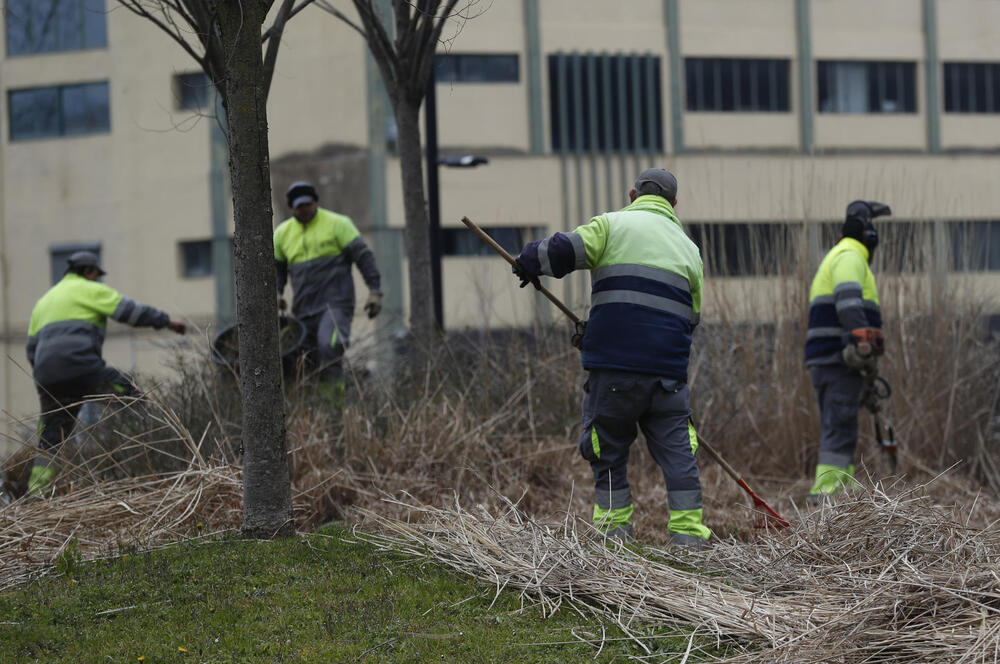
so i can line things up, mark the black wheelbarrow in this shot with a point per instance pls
(291, 341)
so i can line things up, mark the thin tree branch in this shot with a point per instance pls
(136, 8)
(330, 9)
(276, 29)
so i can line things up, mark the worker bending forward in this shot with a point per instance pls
(65, 342)
(844, 342)
(645, 301)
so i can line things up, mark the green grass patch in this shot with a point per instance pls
(312, 599)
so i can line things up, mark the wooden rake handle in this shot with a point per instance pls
(758, 502)
(510, 259)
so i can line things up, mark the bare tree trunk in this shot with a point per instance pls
(267, 508)
(418, 252)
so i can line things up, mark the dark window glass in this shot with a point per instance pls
(605, 103)
(196, 258)
(476, 68)
(42, 26)
(34, 113)
(193, 91)
(64, 110)
(975, 245)
(736, 84)
(972, 87)
(59, 257)
(460, 242)
(866, 87)
(737, 250)
(85, 109)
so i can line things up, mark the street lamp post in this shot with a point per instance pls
(434, 192)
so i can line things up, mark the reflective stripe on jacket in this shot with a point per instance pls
(646, 286)
(318, 256)
(843, 297)
(66, 333)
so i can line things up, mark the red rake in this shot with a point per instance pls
(764, 514)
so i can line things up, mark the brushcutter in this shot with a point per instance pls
(766, 516)
(876, 390)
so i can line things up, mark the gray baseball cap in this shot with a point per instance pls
(84, 259)
(657, 181)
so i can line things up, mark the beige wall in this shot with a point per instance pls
(723, 28)
(967, 130)
(871, 131)
(771, 131)
(866, 30)
(967, 30)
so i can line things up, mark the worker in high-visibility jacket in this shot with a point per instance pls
(645, 302)
(65, 342)
(316, 247)
(844, 342)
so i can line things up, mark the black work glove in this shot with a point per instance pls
(525, 277)
(577, 338)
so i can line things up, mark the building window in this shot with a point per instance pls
(193, 91)
(975, 245)
(62, 110)
(605, 103)
(196, 258)
(460, 242)
(867, 87)
(972, 87)
(475, 68)
(741, 250)
(729, 84)
(42, 26)
(59, 256)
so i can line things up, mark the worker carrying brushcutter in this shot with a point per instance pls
(645, 302)
(844, 342)
(65, 340)
(317, 247)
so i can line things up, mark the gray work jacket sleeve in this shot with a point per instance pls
(138, 314)
(30, 350)
(361, 255)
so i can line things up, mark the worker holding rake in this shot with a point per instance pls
(844, 342)
(645, 302)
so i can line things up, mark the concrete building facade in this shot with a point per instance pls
(770, 112)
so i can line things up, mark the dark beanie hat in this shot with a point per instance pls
(299, 193)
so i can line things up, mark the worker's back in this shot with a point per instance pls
(646, 295)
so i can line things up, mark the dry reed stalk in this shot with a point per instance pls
(111, 517)
(871, 578)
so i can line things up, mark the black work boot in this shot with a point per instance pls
(624, 534)
(690, 542)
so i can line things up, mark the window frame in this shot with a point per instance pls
(876, 79)
(612, 103)
(98, 41)
(61, 114)
(454, 63)
(955, 79)
(185, 81)
(708, 76)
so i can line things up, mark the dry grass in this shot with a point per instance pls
(872, 578)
